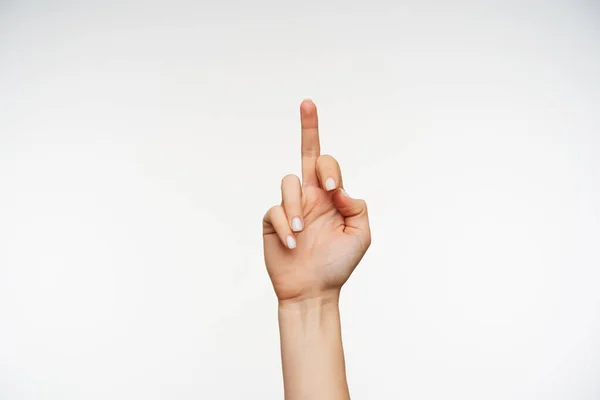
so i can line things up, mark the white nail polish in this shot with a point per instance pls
(297, 224)
(329, 184)
(291, 242)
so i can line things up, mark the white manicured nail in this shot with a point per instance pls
(329, 184)
(344, 192)
(297, 224)
(291, 242)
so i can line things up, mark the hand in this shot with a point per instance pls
(318, 235)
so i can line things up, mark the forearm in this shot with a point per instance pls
(311, 349)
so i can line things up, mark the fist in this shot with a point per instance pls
(318, 234)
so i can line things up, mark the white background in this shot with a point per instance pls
(142, 142)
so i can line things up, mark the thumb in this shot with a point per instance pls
(354, 211)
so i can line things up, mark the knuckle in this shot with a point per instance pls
(272, 211)
(268, 213)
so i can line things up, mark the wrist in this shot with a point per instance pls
(311, 318)
(324, 299)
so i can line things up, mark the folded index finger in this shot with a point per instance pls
(311, 147)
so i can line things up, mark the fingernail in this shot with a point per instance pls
(297, 224)
(344, 193)
(329, 184)
(291, 242)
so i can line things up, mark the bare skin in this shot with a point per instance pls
(313, 241)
